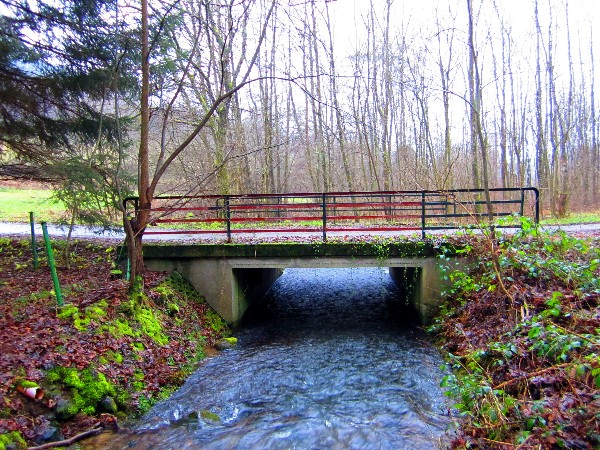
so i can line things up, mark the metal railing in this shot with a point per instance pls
(380, 211)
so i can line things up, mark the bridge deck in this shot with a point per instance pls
(373, 249)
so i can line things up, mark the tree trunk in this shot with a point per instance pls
(134, 228)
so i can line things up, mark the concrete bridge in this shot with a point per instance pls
(230, 276)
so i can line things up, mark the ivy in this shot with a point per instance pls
(520, 325)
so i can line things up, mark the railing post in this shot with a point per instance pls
(324, 207)
(228, 217)
(422, 214)
(33, 241)
(537, 205)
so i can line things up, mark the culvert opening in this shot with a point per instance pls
(328, 298)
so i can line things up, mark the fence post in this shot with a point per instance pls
(324, 207)
(537, 204)
(228, 218)
(59, 297)
(33, 243)
(422, 214)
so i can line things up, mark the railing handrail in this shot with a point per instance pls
(327, 207)
(341, 193)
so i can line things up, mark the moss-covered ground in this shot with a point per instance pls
(104, 356)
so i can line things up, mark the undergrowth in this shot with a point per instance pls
(106, 355)
(521, 330)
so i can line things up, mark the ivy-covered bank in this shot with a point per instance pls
(521, 333)
(104, 356)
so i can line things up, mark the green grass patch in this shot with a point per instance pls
(15, 205)
(574, 218)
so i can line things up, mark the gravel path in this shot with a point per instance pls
(84, 232)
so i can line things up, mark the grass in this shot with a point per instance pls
(15, 205)
(574, 218)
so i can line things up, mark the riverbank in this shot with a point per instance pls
(521, 332)
(104, 356)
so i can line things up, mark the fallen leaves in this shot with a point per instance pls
(539, 349)
(33, 339)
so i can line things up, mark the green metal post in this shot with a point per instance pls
(33, 243)
(59, 297)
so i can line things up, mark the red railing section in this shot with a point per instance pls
(334, 211)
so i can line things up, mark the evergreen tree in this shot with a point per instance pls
(59, 61)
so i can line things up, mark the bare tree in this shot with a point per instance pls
(147, 184)
(477, 132)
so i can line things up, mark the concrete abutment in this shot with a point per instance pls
(230, 284)
(422, 285)
(227, 289)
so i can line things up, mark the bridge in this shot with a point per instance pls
(230, 274)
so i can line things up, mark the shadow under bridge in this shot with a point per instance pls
(231, 276)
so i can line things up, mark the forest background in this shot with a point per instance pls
(284, 96)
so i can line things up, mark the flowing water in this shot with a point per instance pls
(328, 360)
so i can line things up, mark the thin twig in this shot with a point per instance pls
(70, 441)
(591, 341)
(508, 444)
(531, 375)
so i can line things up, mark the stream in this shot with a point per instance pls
(329, 359)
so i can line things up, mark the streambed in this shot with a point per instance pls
(330, 358)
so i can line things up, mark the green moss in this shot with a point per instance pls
(83, 319)
(151, 325)
(116, 357)
(215, 322)
(97, 311)
(12, 440)
(138, 346)
(172, 309)
(81, 323)
(27, 384)
(67, 311)
(210, 416)
(167, 292)
(87, 387)
(144, 321)
(119, 328)
(89, 410)
(126, 308)
(177, 290)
